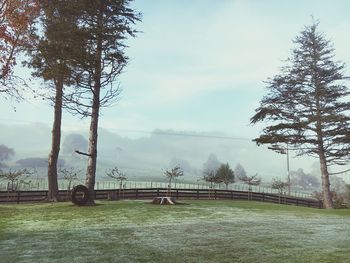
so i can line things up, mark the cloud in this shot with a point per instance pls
(230, 49)
(236, 44)
(208, 50)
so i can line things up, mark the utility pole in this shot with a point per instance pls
(283, 150)
(288, 173)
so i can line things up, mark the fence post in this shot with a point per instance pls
(215, 193)
(18, 196)
(137, 193)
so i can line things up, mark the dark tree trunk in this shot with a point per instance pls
(169, 187)
(327, 195)
(95, 111)
(52, 195)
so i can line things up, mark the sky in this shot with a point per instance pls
(200, 65)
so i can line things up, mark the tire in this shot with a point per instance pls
(77, 191)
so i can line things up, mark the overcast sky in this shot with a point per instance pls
(199, 65)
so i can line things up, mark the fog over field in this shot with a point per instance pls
(145, 155)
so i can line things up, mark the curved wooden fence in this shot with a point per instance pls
(150, 193)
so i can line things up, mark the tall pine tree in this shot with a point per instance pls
(106, 24)
(56, 59)
(307, 106)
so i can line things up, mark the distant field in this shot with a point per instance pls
(201, 231)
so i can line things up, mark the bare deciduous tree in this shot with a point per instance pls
(280, 186)
(250, 181)
(172, 174)
(116, 174)
(14, 177)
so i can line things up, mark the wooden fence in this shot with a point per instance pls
(41, 185)
(150, 193)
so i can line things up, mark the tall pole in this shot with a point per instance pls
(288, 173)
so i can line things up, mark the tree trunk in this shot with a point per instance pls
(53, 195)
(326, 192)
(327, 196)
(168, 194)
(95, 111)
(92, 159)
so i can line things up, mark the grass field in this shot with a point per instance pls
(201, 231)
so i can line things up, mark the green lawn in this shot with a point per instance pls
(202, 231)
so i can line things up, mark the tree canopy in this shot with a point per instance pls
(103, 27)
(225, 174)
(16, 26)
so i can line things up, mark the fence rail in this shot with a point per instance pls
(150, 193)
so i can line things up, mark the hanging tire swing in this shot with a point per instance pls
(80, 195)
